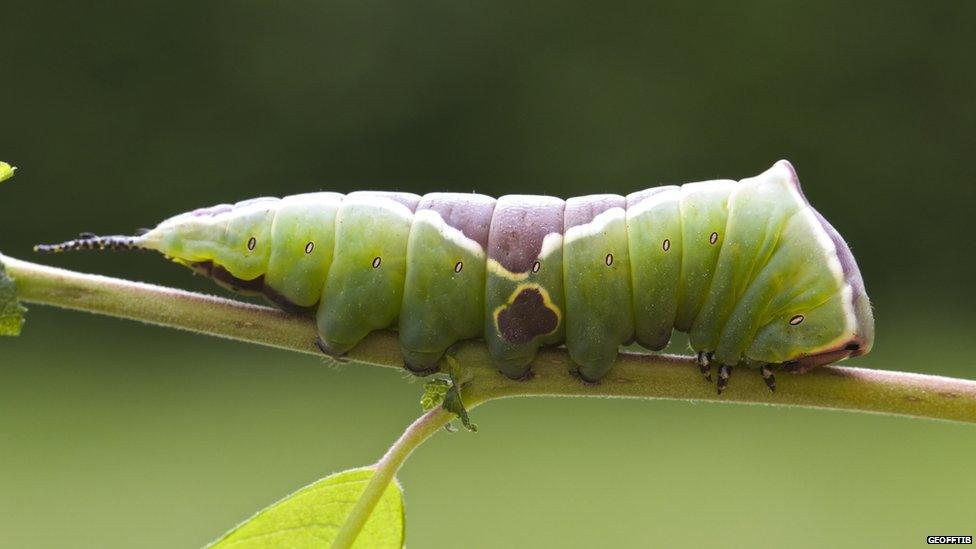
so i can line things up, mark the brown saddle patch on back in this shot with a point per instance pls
(526, 317)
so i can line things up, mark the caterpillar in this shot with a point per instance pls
(753, 274)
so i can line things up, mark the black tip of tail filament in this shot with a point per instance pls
(90, 241)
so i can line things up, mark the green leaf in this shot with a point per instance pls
(11, 311)
(6, 171)
(312, 516)
(434, 392)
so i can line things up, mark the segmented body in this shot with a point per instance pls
(747, 268)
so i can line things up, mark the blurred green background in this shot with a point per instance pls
(114, 434)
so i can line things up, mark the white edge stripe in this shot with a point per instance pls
(552, 242)
(850, 324)
(596, 226)
(706, 186)
(826, 244)
(653, 201)
(451, 234)
(833, 263)
(379, 202)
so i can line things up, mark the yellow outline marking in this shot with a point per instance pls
(495, 268)
(546, 300)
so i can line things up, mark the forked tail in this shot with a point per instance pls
(91, 241)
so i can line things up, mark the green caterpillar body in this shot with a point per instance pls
(749, 269)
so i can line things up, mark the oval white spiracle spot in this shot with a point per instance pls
(796, 320)
(608, 260)
(666, 245)
(376, 262)
(713, 238)
(536, 266)
(458, 266)
(251, 243)
(309, 247)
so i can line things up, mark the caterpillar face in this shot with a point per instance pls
(858, 338)
(747, 268)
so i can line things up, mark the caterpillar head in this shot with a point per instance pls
(837, 329)
(857, 336)
(828, 333)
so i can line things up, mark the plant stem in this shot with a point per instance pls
(633, 376)
(385, 470)
(172, 308)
